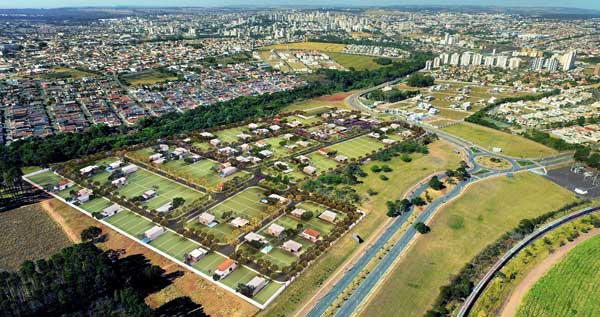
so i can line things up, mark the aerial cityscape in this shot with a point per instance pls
(295, 159)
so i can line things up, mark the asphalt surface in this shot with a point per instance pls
(350, 306)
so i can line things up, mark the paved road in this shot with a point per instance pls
(480, 287)
(356, 298)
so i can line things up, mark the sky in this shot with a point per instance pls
(584, 4)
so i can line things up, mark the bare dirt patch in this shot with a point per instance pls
(335, 97)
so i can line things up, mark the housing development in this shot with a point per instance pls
(298, 161)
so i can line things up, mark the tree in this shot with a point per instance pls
(422, 228)
(90, 234)
(307, 215)
(435, 183)
(418, 201)
(420, 80)
(177, 201)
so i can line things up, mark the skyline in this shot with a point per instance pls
(581, 4)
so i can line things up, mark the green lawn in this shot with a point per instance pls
(143, 180)
(570, 288)
(321, 162)
(357, 147)
(459, 231)
(359, 62)
(130, 222)
(46, 179)
(230, 135)
(174, 245)
(200, 173)
(511, 145)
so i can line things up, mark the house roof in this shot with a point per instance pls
(312, 233)
(226, 265)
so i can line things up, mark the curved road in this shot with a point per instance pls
(480, 287)
(357, 297)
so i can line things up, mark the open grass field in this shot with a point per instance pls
(317, 46)
(130, 222)
(404, 175)
(201, 172)
(58, 73)
(143, 180)
(321, 162)
(358, 62)
(230, 135)
(334, 100)
(570, 288)
(511, 145)
(459, 231)
(215, 300)
(493, 162)
(245, 204)
(357, 147)
(28, 233)
(147, 77)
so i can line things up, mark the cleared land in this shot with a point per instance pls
(58, 73)
(358, 62)
(215, 300)
(317, 46)
(28, 233)
(148, 77)
(334, 100)
(357, 147)
(511, 145)
(404, 176)
(570, 288)
(460, 230)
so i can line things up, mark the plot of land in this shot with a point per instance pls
(246, 204)
(358, 62)
(357, 147)
(28, 233)
(511, 145)
(201, 172)
(143, 180)
(325, 47)
(230, 135)
(58, 73)
(148, 77)
(570, 288)
(459, 231)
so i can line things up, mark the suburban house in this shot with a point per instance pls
(163, 147)
(303, 159)
(153, 233)
(88, 170)
(111, 210)
(155, 157)
(328, 216)
(206, 219)
(130, 169)
(180, 152)
(149, 194)
(324, 151)
(298, 212)
(164, 208)
(310, 170)
(215, 142)
(196, 255)
(63, 184)
(115, 165)
(265, 153)
(83, 195)
(252, 236)
(119, 182)
(239, 222)
(229, 170)
(280, 199)
(341, 158)
(207, 135)
(226, 268)
(388, 141)
(257, 283)
(310, 235)
(275, 230)
(292, 246)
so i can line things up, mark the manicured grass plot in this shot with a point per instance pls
(174, 245)
(240, 275)
(96, 205)
(130, 222)
(46, 179)
(209, 263)
(201, 172)
(230, 135)
(321, 162)
(267, 292)
(357, 147)
(143, 180)
(305, 119)
(280, 151)
(571, 286)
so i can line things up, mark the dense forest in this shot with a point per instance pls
(62, 147)
(82, 280)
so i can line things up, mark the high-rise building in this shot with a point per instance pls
(477, 59)
(537, 63)
(465, 59)
(568, 60)
(445, 57)
(552, 64)
(428, 65)
(597, 70)
(501, 61)
(437, 62)
(455, 59)
(489, 61)
(514, 63)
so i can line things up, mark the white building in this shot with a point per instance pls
(154, 233)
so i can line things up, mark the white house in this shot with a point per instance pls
(115, 165)
(111, 210)
(239, 222)
(83, 195)
(292, 246)
(120, 182)
(164, 208)
(310, 170)
(298, 212)
(257, 283)
(206, 219)
(130, 169)
(328, 216)
(63, 184)
(196, 255)
(154, 233)
(225, 268)
(86, 171)
(275, 230)
(252, 236)
(227, 171)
